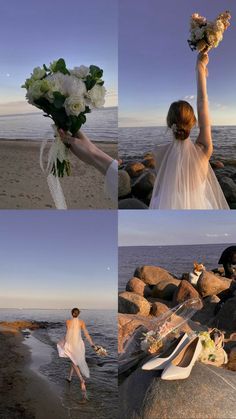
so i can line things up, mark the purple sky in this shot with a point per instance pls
(58, 259)
(156, 66)
(139, 228)
(34, 33)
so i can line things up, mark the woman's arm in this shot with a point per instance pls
(88, 152)
(204, 139)
(86, 333)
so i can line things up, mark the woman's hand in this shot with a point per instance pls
(86, 151)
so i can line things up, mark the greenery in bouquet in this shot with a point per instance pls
(65, 96)
(207, 34)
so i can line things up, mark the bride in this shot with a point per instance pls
(72, 347)
(185, 179)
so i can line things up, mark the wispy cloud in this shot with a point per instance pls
(218, 235)
(190, 97)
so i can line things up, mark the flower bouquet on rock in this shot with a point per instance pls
(66, 96)
(213, 352)
(205, 34)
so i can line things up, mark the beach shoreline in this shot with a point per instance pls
(23, 185)
(23, 393)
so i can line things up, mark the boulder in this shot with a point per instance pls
(152, 275)
(144, 185)
(217, 164)
(229, 188)
(149, 162)
(158, 309)
(165, 289)
(184, 292)
(124, 184)
(206, 315)
(134, 169)
(137, 286)
(131, 303)
(208, 392)
(226, 317)
(210, 284)
(231, 365)
(127, 324)
(131, 203)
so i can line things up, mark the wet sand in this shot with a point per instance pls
(23, 394)
(23, 185)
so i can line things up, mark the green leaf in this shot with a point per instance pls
(59, 100)
(46, 68)
(90, 82)
(61, 66)
(95, 71)
(100, 82)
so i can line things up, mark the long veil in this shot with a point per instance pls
(185, 179)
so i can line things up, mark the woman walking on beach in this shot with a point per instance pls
(72, 347)
(185, 179)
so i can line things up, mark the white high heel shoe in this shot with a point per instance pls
(160, 362)
(181, 366)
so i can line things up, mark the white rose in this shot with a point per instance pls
(81, 72)
(199, 32)
(37, 90)
(73, 86)
(38, 73)
(97, 96)
(74, 105)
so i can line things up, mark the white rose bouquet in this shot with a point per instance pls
(205, 34)
(100, 350)
(65, 96)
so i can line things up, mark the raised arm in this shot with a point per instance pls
(86, 333)
(204, 139)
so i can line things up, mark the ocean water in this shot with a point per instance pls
(102, 385)
(101, 125)
(176, 259)
(135, 142)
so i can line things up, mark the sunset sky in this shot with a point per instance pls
(58, 259)
(156, 65)
(176, 227)
(35, 33)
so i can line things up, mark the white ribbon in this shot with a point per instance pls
(56, 151)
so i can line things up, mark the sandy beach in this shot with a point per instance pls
(23, 185)
(23, 394)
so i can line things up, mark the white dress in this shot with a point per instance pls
(73, 347)
(185, 179)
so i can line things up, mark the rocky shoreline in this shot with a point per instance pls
(137, 178)
(151, 292)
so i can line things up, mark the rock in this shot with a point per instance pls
(226, 317)
(165, 289)
(231, 365)
(131, 303)
(184, 292)
(158, 309)
(218, 271)
(144, 185)
(206, 315)
(126, 327)
(143, 395)
(134, 169)
(149, 162)
(216, 164)
(137, 286)
(210, 284)
(152, 275)
(131, 203)
(229, 188)
(124, 184)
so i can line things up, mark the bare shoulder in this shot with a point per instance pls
(68, 322)
(82, 323)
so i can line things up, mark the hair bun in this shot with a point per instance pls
(180, 133)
